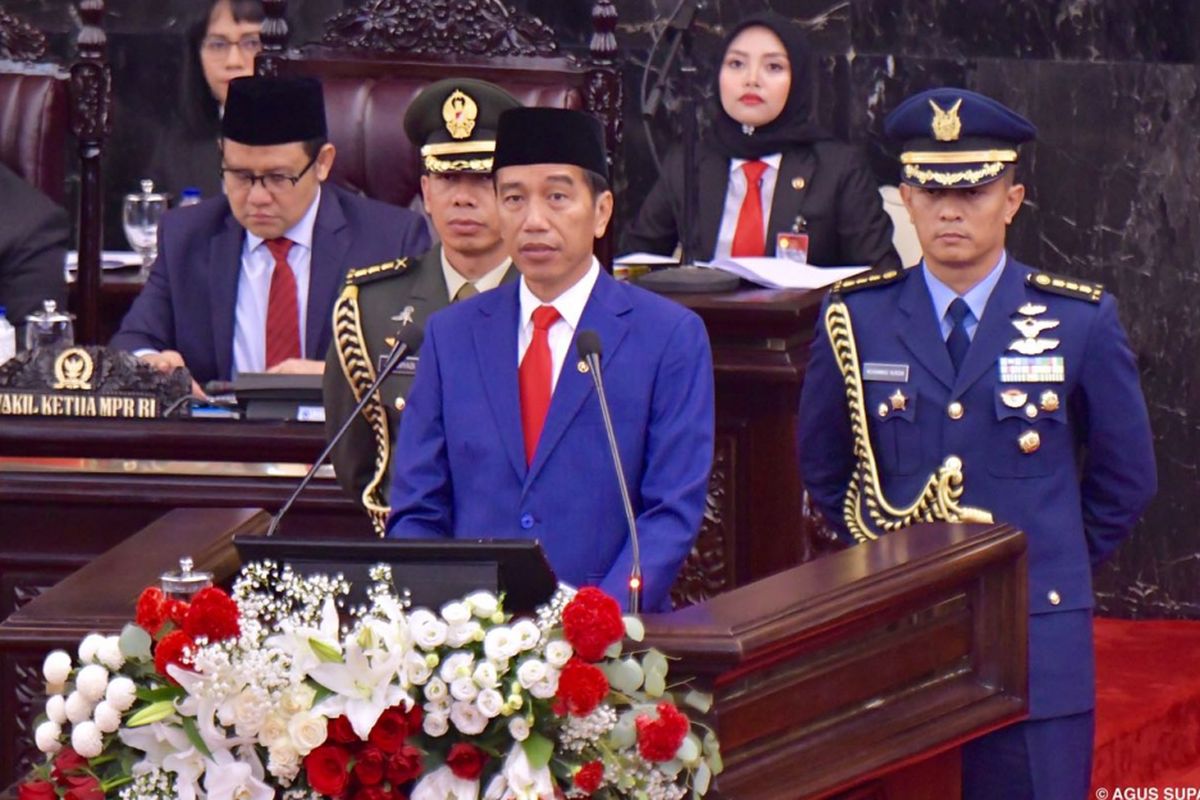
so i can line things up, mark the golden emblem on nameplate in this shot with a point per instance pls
(460, 112)
(73, 369)
(946, 125)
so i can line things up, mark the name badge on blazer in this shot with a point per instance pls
(887, 373)
(406, 367)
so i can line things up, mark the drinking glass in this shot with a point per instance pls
(142, 212)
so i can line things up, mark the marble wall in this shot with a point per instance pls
(1114, 180)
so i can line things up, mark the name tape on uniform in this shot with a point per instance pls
(888, 373)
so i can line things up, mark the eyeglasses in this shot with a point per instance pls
(242, 180)
(218, 46)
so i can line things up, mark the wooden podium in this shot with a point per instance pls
(855, 675)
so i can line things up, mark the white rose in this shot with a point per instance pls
(463, 689)
(467, 718)
(121, 693)
(283, 761)
(530, 672)
(418, 668)
(499, 643)
(439, 707)
(547, 687)
(486, 675)
(91, 682)
(429, 634)
(250, 709)
(456, 613)
(527, 634)
(460, 634)
(110, 654)
(558, 653)
(56, 709)
(87, 739)
(457, 665)
(47, 736)
(89, 647)
(107, 718)
(296, 699)
(489, 702)
(274, 732)
(482, 604)
(307, 732)
(518, 728)
(57, 667)
(78, 708)
(436, 725)
(435, 689)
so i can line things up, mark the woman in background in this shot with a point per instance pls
(767, 168)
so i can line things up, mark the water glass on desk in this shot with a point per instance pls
(141, 216)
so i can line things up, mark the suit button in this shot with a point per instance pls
(883, 410)
(527, 521)
(399, 404)
(1054, 597)
(955, 410)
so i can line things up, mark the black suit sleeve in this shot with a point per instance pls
(33, 250)
(655, 228)
(864, 228)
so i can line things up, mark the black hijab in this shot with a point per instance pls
(792, 126)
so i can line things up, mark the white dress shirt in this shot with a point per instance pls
(455, 279)
(570, 306)
(254, 289)
(736, 193)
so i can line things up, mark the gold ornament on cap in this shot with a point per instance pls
(946, 125)
(459, 111)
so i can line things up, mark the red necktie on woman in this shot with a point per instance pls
(283, 312)
(534, 377)
(749, 238)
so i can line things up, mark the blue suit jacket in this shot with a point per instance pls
(1076, 497)
(189, 299)
(460, 470)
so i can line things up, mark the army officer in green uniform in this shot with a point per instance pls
(453, 122)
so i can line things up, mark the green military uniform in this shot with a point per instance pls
(454, 122)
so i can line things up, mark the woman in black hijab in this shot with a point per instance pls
(767, 168)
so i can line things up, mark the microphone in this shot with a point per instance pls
(408, 341)
(587, 345)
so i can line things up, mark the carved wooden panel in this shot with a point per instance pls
(708, 570)
(20, 41)
(25, 696)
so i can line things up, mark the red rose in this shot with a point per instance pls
(327, 769)
(372, 793)
(37, 790)
(66, 763)
(390, 730)
(466, 761)
(151, 610)
(369, 763)
(404, 765)
(588, 778)
(341, 731)
(84, 787)
(213, 615)
(659, 739)
(581, 687)
(398, 795)
(172, 650)
(415, 717)
(591, 622)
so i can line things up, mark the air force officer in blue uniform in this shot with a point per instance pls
(502, 435)
(1027, 378)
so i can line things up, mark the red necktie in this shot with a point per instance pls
(748, 237)
(535, 374)
(283, 313)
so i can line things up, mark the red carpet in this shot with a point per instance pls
(1147, 703)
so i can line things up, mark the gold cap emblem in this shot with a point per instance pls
(73, 369)
(459, 111)
(946, 124)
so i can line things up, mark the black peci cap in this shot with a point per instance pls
(266, 111)
(550, 136)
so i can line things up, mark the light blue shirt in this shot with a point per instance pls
(976, 297)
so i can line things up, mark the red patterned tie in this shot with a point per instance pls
(283, 312)
(749, 238)
(535, 375)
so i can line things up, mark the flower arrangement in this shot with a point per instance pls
(272, 691)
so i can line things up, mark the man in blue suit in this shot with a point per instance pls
(502, 435)
(1018, 383)
(246, 282)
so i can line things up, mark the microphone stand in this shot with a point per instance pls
(398, 353)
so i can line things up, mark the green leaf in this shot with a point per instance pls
(538, 749)
(634, 629)
(624, 733)
(656, 684)
(655, 662)
(613, 650)
(155, 712)
(193, 735)
(701, 779)
(701, 701)
(135, 643)
(670, 768)
(624, 676)
(319, 692)
(159, 694)
(689, 750)
(712, 753)
(325, 651)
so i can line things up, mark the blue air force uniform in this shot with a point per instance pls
(1046, 414)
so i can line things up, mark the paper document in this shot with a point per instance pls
(782, 273)
(644, 258)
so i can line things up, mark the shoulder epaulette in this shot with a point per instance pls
(357, 277)
(1067, 287)
(867, 280)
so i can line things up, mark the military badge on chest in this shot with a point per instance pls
(1030, 366)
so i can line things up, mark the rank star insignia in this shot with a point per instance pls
(1033, 347)
(1031, 309)
(1032, 328)
(1013, 398)
(898, 400)
(1049, 400)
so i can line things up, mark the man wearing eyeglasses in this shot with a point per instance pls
(246, 282)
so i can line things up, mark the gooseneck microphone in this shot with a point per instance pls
(408, 341)
(587, 345)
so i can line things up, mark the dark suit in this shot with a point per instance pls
(364, 324)
(828, 183)
(1076, 494)
(460, 470)
(33, 250)
(189, 299)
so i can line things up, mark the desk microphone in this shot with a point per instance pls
(408, 341)
(587, 345)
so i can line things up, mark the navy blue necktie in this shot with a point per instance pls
(958, 341)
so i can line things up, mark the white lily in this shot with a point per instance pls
(298, 641)
(238, 777)
(443, 784)
(362, 687)
(518, 780)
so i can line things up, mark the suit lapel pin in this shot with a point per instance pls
(1049, 400)
(898, 400)
(582, 367)
(1013, 398)
(798, 183)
